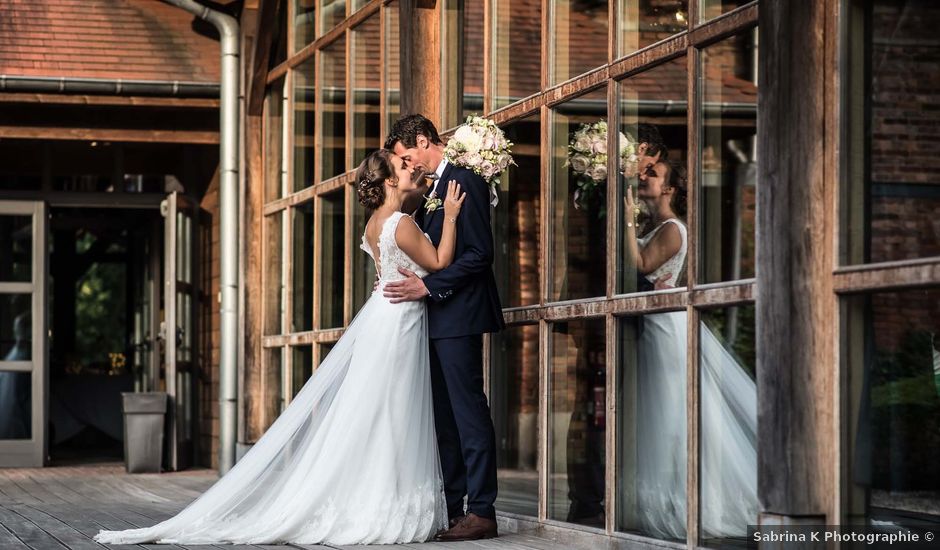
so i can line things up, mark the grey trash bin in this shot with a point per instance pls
(143, 431)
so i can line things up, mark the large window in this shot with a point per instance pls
(889, 251)
(342, 91)
(625, 263)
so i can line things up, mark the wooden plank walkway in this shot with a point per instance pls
(64, 507)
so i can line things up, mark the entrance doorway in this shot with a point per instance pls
(85, 311)
(101, 251)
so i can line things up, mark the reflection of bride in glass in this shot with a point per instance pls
(15, 386)
(728, 480)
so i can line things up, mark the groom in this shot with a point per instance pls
(462, 304)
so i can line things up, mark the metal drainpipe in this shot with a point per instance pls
(228, 222)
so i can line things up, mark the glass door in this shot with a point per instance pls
(179, 304)
(23, 345)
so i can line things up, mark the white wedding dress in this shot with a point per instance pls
(352, 460)
(728, 424)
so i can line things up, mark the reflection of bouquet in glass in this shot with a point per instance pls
(587, 157)
(480, 145)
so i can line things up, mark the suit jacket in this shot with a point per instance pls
(464, 299)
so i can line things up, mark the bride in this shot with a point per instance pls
(729, 396)
(353, 459)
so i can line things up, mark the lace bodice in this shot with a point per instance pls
(673, 265)
(390, 256)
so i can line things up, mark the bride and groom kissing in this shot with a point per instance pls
(392, 433)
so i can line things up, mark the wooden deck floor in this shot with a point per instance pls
(64, 507)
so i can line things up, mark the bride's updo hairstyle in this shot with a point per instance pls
(677, 179)
(371, 176)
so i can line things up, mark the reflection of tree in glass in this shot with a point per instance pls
(100, 299)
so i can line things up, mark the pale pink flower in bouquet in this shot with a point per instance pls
(480, 145)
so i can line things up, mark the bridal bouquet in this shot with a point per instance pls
(480, 145)
(587, 157)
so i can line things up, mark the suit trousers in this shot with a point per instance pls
(465, 435)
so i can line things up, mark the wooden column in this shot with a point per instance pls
(253, 397)
(796, 308)
(420, 31)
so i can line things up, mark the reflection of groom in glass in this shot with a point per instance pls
(650, 150)
(462, 304)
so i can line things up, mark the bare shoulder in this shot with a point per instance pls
(668, 237)
(407, 229)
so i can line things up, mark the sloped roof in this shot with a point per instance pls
(127, 39)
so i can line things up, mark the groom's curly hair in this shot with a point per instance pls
(408, 128)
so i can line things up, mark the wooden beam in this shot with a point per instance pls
(796, 305)
(261, 53)
(888, 276)
(109, 134)
(420, 30)
(132, 101)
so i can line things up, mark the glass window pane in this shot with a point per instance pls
(579, 37)
(304, 108)
(16, 249)
(304, 11)
(514, 401)
(891, 343)
(332, 13)
(517, 50)
(517, 218)
(644, 22)
(392, 66)
(302, 296)
(579, 198)
(709, 9)
(301, 367)
(728, 426)
(272, 361)
(16, 405)
(273, 281)
(333, 110)
(16, 328)
(274, 141)
(358, 4)
(324, 350)
(891, 198)
(577, 422)
(363, 266)
(728, 161)
(366, 75)
(653, 158)
(332, 268)
(462, 58)
(651, 430)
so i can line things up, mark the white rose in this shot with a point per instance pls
(470, 139)
(583, 143)
(579, 163)
(599, 172)
(600, 146)
(474, 159)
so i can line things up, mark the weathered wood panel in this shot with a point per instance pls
(795, 299)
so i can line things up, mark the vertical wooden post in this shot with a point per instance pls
(419, 26)
(796, 307)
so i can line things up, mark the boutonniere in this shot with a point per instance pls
(432, 202)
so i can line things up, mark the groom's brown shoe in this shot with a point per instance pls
(454, 522)
(473, 527)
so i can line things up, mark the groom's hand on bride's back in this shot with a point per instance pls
(409, 289)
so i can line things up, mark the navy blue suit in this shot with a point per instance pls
(462, 306)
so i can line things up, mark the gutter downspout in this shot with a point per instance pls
(228, 222)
